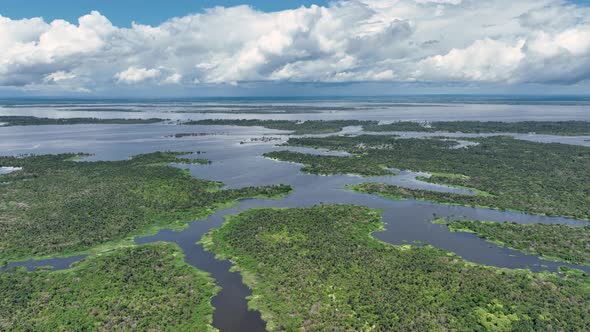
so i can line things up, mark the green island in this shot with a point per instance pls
(8, 121)
(55, 205)
(330, 164)
(263, 109)
(297, 127)
(563, 128)
(96, 109)
(181, 135)
(319, 269)
(145, 288)
(555, 242)
(507, 173)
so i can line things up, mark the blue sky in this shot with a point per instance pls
(361, 47)
(123, 12)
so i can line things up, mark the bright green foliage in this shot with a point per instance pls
(400, 193)
(298, 128)
(560, 242)
(566, 128)
(138, 288)
(319, 269)
(34, 121)
(330, 164)
(58, 206)
(552, 179)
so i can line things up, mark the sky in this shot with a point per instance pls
(186, 48)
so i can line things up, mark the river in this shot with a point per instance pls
(238, 165)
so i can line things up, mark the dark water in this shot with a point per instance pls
(240, 165)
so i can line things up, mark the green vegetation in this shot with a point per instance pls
(298, 127)
(145, 288)
(98, 109)
(34, 121)
(551, 179)
(557, 242)
(55, 205)
(566, 128)
(480, 199)
(263, 109)
(319, 269)
(330, 164)
(181, 135)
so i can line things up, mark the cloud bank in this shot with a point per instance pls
(460, 41)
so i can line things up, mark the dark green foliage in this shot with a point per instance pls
(566, 128)
(559, 242)
(298, 127)
(181, 135)
(329, 164)
(34, 121)
(57, 206)
(398, 193)
(399, 126)
(551, 179)
(319, 269)
(139, 288)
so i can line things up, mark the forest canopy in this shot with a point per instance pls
(55, 205)
(564, 128)
(145, 288)
(35, 121)
(318, 268)
(551, 179)
(552, 241)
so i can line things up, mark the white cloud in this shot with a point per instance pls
(501, 41)
(59, 76)
(136, 75)
(173, 79)
(484, 60)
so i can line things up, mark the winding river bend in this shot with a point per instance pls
(240, 165)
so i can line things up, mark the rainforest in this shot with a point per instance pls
(319, 269)
(101, 203)
(502, 171)
(241, 215)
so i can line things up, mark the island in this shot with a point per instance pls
(318, 268)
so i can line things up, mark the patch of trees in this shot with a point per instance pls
(181, 135)
(297, 127)
(565, 128)
(551, 179)
(144, 288)
(558, 242)
(35, 121)
(329, 164)
(54, 205)
(319, 269)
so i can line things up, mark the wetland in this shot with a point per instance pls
(171, 225)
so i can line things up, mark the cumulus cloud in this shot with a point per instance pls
(173, 79)
(136, 75)
(59, 76)
(484, 60)
(501, 41)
